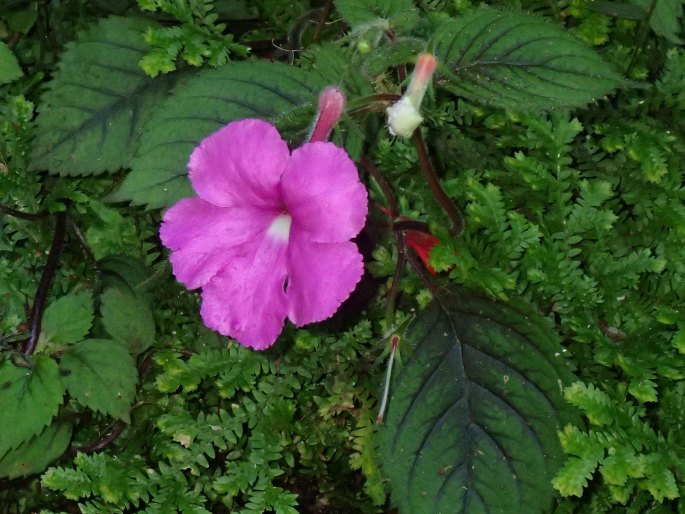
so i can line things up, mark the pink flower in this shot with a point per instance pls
(268, 236)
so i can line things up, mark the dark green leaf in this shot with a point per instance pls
(205, 104)
(90, 119)
(128, 320)
(22, 20)
(125, 273)
(29, 399)
(472, 422)
(102, 375)
(360, 12)
(619, 10)
(518, 60)
(394, 53)
(68, 319)
(339, 65)
(34, 455)
(9, 67)
(666, 18)
(236, 10)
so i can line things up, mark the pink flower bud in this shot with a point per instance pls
(404, 116)
(331, 107)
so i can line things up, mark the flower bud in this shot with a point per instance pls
(331, 107)
(364, 46)
(404, 116)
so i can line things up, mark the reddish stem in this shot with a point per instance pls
(435, 187)
(21, 215)
(322, 20)
(45, 283)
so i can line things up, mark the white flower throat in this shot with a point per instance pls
(280, 227)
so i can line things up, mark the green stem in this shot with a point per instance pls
(385, 187)
(644, 30)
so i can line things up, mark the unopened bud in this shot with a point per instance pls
(331, 107)
(363, 46)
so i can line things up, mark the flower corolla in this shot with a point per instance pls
(404, 116)
(268, 235)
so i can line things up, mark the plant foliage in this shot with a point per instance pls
(9, 67)
(514, 60)
(477, 403)
(566, 227)
(32, 394)
(206, 103)
(91, 117)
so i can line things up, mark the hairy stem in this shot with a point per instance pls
(419, 226)
(435, 187)
(372, 103)
(385, 187)
(322, 20)
(45, 283)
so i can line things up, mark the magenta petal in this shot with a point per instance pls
(204, 238)
(320, 277)
(240, 164)
(245, 300)
(322, 192)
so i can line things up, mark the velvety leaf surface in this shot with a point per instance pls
(102, 375)
(472, 421)
(90, 119)
(29, 398)
(128, 274)
(9, 67)
(68, 319)
(619, 10)
(512, 59)
(206, 103)
(128, 320)
(358, 12)
(33, 456)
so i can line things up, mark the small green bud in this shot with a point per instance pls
(363, 46)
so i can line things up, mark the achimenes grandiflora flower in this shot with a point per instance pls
(268, 234)
(404, 116)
